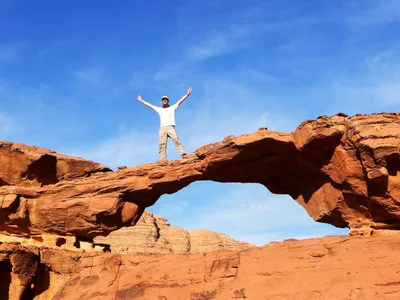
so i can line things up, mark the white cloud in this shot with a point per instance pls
(232, 30)
(246, 212)
(369, 93)
(92, 75)
(376, 85)
(11, 52)
(16, 93)
(229, 107)
(219, 42)
(57, 45)
(171, 70)
(128, 148)
(8, 126)
(371, 12)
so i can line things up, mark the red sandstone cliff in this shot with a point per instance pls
(330, 268)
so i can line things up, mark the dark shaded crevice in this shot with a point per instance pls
(390, 225)
(13, 208)
(127, 213)
(39, 284)
(276, 157)
(319, 152)
(393, 164)
(42, 279)
(267, 152)
(110, 221)
(43, 170)
(157, 230)
(358, 203)
(334, 218)
(5, 279)
(13, 216)
(85, 174)
(132, 215)
(374, 187)
(3, 182)
(380, 213)
(77, 244)
(313, 183)
(377, 188)
(60, 242)
(106, 247)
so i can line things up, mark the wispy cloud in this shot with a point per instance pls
(370, 12)
(229, 107)
(376, 84)
(43, 115)
(91, 75)
(11, 52)
(15, 94)
(128, 148)
(369, 93)
(232, 31)
(8, 126)
(219, 42)
(54, 46)
(246, 212)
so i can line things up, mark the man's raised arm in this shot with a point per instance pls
(184, 97)
(146, 103)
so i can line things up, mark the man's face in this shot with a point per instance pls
(164, 102)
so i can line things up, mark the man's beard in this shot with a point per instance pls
(165, 105)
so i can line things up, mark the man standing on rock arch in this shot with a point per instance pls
(167, 124)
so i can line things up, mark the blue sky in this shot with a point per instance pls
(70, 72)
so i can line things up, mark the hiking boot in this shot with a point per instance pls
(184, 155)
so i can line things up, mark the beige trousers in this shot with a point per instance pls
(165, 132)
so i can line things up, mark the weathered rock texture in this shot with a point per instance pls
(317, 269)
(33, 166)
(343, 171)
(153, 234)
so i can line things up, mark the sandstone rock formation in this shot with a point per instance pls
(153, 234)
(343, 171)
(314, 269)
(24, 165)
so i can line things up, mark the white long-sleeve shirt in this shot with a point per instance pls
(167, 115)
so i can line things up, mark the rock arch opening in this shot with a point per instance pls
(247, 212)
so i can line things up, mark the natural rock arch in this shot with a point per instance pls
(343, 171)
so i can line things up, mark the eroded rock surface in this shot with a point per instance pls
(315, 269)
(343, 171)
(154, 234)
(24, 165)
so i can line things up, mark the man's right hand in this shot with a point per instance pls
(139, 98)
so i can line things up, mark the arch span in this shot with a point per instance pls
(343, 171)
